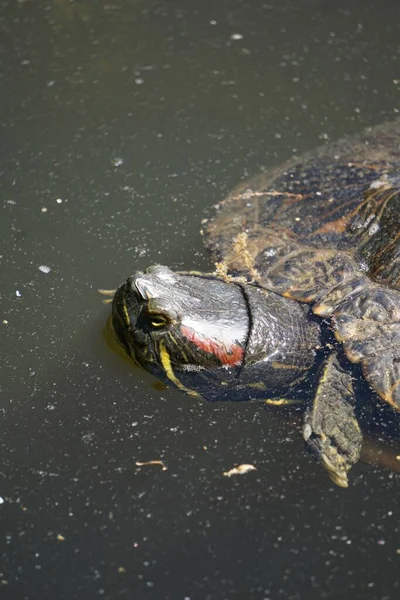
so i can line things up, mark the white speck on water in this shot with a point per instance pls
(59, 200)
(140, 251)
(18, 293)
(11, 202)
(43, 209)
(5, 322)
(139, 81)
(117, 161)
(44, 269)
(1, 500)
(213, 22)
(236, 36)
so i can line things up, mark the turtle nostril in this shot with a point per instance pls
(152, 269)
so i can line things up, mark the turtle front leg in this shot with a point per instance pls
(330, 429)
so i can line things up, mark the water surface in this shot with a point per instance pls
(121, 124)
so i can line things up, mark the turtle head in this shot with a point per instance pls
(182, 327)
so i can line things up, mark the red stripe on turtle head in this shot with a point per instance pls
(232, 355)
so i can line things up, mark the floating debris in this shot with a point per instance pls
(239, 470)
(60, 537)
(44, 269)
(151, 462)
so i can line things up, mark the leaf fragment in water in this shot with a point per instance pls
(239, 470)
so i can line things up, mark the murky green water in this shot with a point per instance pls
(121, 123)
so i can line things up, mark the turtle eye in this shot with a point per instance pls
(158, 321)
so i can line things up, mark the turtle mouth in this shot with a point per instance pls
(125, 310)
(114, 342)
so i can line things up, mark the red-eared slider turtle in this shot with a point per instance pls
(309, 248)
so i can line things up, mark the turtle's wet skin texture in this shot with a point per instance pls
(308, 251)
(211, 338)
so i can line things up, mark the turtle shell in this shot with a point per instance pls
(324, 229)
(318, 220)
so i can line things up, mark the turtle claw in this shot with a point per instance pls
(325, 451)
(338, 477)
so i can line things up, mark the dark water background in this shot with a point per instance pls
(121, 122)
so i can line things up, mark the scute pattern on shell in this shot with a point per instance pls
(344, 196)
(324, 229)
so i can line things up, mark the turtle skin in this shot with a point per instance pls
(311, 242)
(324, 230)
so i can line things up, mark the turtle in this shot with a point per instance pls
(306, 289)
